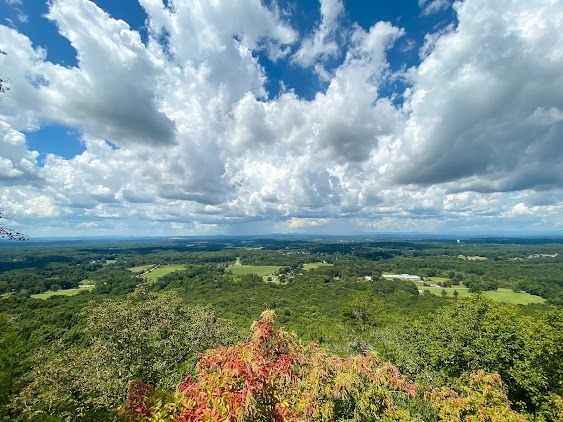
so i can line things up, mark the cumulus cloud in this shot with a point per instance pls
(481, 111)
(195, 144)
(100, 96)
(17, 164)
(322, 44)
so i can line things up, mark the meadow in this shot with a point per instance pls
(314, 265)
(65, 292)
(162, 271)
(260, 270)
(499, 295)
(141, 268)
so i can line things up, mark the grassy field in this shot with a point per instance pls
(162, 271)
(141, 268)
(87, 282)
(499, 295)
(261, 270)
(313, 265)
(67, 292)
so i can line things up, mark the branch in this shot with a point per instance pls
(11, 234)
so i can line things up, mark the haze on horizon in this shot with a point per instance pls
(254, 117)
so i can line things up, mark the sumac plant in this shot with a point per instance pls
(273, 377)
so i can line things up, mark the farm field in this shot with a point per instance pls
(313, 265)
(67, 292)
(499, 295)
(141, 268)
(261, 270)
(163, 270)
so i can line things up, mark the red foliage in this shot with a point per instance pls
(272, 376)
(139, 400)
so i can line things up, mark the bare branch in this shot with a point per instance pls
(8, 233)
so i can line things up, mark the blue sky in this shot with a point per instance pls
(281, 116)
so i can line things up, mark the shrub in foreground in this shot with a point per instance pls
(271, 376)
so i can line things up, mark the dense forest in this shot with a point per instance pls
(282, 329)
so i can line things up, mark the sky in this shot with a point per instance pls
(196, 117)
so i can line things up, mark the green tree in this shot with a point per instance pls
(149, 337)
(476, 334)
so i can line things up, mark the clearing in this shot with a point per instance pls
(141, 268)
(261, 270)
(499, 295)
(66, 292)
(87, 284)
(162, 271)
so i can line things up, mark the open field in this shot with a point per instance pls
(261, 270)
(313, 265)
(141, 268)
(86, 283)
(162, 271)
(499, 295)
(67, 292)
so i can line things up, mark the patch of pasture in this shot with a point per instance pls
(499, 295)
(141, 268)
(66, 292)
(162, 271)
(260, 270)
(84, 283)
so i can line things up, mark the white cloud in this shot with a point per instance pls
(17, 164)
(202, 148)
(430, 7)
(112, 93)
(322, 44)
(296, 223)
(472, 97)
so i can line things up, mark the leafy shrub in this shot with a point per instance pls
(482, 400)
(271, 376)
(149, 337)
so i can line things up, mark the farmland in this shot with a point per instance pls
(66, 292)
(313, 265)
(260, 270)
(141, 268)
(499, 295)
(160, 272)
